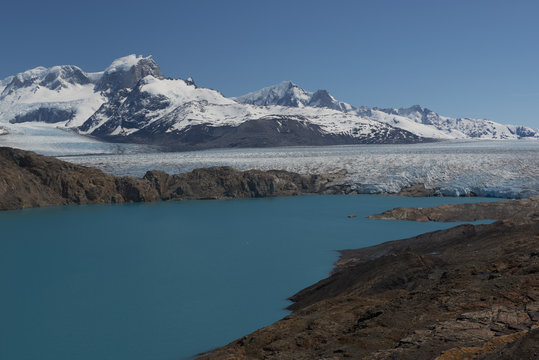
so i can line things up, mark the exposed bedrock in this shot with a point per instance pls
(31, 180)
(519, 209)
(469, 292)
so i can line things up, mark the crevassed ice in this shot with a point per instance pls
(485, 168)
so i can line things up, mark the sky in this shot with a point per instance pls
(473, 58)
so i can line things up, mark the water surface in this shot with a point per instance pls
(169, 280)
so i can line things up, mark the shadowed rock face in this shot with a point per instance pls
(128, 78)
(462, 293)
(30, 180)
(47, 115)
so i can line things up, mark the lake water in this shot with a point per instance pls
(166, 281)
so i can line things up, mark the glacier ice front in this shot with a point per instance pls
(508, 169)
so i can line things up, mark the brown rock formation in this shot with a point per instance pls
(30, 180)
(518, 209)
(416, 190)
(469, 292)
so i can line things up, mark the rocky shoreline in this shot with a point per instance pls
(523, 209)
(31, 180)
(468, 292)
(465, 292)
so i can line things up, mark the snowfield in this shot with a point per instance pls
(508, 169)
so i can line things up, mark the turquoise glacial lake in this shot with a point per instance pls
(169, 280)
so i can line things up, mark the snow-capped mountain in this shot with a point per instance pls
(178, 114)
(132, 101)
(60, 94)
(416, 119)
(460, 128)
(287, 93)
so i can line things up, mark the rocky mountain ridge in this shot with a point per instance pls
(131, 101)
(416, 119)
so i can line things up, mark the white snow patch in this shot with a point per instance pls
(124, 63)
(179, 92)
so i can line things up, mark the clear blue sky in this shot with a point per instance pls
(461, 58)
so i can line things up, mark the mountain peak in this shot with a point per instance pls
(126, 71)
(53, 78)
(417, 108)
(285, 84)
(285, 93)
(60, 76)
(125, 63)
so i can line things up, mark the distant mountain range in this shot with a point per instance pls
(131, 101)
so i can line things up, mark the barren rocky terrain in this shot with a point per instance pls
(31, 180)
(468, 292)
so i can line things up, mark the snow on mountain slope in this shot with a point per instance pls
(331, 121)
(4, 83)
(65, 95)
(39, 108)
(462, 128)
(287, 93)
(151, 99)
(63, 88)
(416, 119)
(405, 123)
(131, 101)
(172, 106)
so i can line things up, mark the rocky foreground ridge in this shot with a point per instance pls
(469, 292)
(31, 180)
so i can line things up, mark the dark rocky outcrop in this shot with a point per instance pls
(124, 78)
(31, 180)
(46, 115)
(521, 209)
(417, 190)
(469, 292)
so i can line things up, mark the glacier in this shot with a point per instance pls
(492, 168)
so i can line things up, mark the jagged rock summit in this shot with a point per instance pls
(287, 93)
(132, 101)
